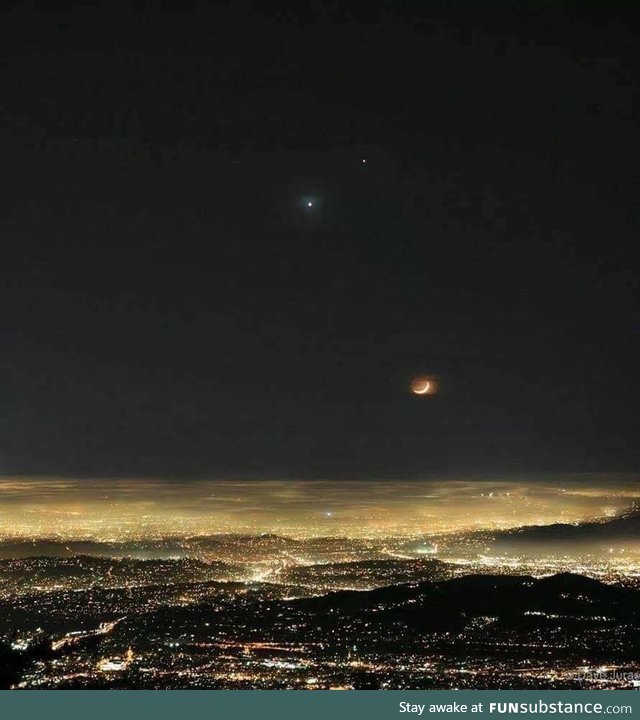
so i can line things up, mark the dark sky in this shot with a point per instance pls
(169, 306)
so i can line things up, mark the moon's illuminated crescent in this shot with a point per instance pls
(424, 385)
(423, 390)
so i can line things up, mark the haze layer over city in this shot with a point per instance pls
(122, 509)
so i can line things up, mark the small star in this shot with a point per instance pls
(364, 161)
(309, 204)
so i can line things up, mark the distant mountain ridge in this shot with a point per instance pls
(624, 527)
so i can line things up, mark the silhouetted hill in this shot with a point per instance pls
(452, 603)
(623, 528)
(509, 606)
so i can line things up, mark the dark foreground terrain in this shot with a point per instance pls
(515, 631)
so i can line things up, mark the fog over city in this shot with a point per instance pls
(119, 508)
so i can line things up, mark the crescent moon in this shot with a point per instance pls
(424, 390)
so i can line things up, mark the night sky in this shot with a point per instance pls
(171, 305)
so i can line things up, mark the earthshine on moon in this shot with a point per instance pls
(422, 386)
